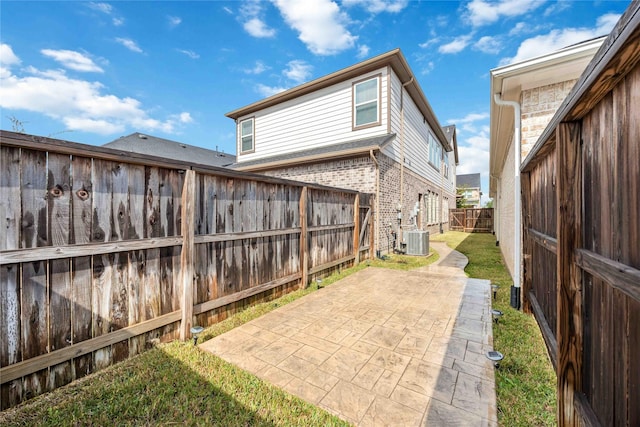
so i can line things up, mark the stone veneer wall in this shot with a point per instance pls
(358, 173)
(538, 107)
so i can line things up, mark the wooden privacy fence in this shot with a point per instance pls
(471, 220)
(104, 252)
(581, 228)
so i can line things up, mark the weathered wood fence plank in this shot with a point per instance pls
(92, 270)
(585, 257)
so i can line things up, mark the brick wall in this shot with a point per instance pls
(538, 107)
(414, 186)
(358, 173)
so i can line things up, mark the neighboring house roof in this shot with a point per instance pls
(471, 180)
(395, 59)
(510, 80)
(452, 139)
(351, 148)
(147, 144)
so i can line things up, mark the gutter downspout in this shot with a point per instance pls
(517, 250)
(400, 236)
(376, 216)
(496, 210)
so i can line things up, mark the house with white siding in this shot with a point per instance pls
(524, 98)
(367, 127)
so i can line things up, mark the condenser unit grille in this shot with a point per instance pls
(417, 242)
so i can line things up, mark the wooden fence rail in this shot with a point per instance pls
(105, 252)
(580, 204)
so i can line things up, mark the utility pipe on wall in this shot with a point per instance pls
(376, 215)
(517, 250)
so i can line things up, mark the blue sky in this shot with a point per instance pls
(91, 72)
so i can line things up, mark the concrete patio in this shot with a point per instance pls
(381, 347)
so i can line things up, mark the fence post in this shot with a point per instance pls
(527, 247)
(372, 228)
(304, 262)
(356, 229)
(186, 256)
(569, 322)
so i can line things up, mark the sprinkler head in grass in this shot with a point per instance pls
(495, 357)
(319, 283)
(195, 331)
(495, 288)
(496, 314)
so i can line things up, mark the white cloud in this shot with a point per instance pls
(107, 9)
(321, 25)
(430, 42)
(558, 39)
(251, 14)
(7, 60)
(473, 146)
(267, 91)
(257, 28)
(363, 51)
(557, 7)
(185, 117)
(483, 12)
(81, 105)
(73, 60)
(259, 68)
(7, 57)
(488, 44)
(228, 10)
(378, 6)
(455, 46)
(298, 71)
(469, 118)
(428, 68)
(191, 54)
(129, 44)
(174, 21)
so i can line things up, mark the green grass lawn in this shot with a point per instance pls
(525, 382)
(179, 384)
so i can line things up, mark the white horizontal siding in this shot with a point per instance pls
(313, 120)
(415, 135)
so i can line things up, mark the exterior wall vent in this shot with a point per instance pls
(417, 242)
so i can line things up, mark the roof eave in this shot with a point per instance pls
(306, 159)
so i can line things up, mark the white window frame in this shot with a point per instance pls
(377, 102)
(435, 152)
(241, 136)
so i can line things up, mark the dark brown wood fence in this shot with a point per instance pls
(97, 245)
(471, 220)
(581, 204)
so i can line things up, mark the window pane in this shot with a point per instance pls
(247, 143)
(247, 127)
(367, 113)
(367, 91)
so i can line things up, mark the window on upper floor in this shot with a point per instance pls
(366, 102)
(246, 135)
(435, 152)
(446, 164)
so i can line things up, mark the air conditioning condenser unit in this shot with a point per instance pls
(417, 242)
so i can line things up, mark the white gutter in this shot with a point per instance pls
(517, 250)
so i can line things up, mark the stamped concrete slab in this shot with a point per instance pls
(381, 347)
